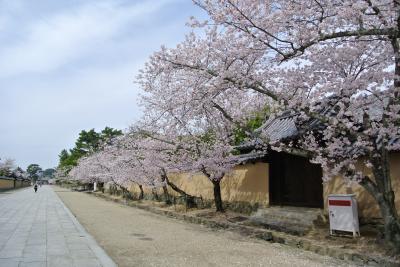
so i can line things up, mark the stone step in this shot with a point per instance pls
(293, 220)
(282, 226)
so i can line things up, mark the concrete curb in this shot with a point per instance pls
(101, 255)
(264, 234)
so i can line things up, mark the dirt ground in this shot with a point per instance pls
(134, 237)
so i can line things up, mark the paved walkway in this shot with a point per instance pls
(36, 229)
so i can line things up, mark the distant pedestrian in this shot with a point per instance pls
(35, 187)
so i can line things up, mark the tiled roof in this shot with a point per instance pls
(12, 178)
(279, 128)
(284, 126)
(256, 155)
(6, 178)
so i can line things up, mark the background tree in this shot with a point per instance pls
(107, 134)
(88, 142)
(34, 171)
(49, 173)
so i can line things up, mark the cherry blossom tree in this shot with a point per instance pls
(199, 138)
(158, 156)
(334, 66)
(122, 163)
(19, 173)
(104, 166)
(92, 168)
(6, 167)
(336, 63)
(141, 162)
(201, 77)
(188, 101)
(211, 157)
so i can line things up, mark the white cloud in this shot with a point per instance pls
(62, 38)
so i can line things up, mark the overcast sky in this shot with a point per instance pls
(69, 65)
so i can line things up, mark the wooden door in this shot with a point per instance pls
(294, 181)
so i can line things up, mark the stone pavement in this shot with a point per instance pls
(36, 229)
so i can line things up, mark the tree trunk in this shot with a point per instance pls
(141, 195)
(126, 194)
(166, 195)
(155, 195)
(101, 187)
(382, 189)
(390, 219)
(383, 194)
(165, 189)
(391, 222)
(217, 189)
(174, 187)
(217, 196)
(395, 41)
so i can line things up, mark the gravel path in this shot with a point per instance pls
(134, 237)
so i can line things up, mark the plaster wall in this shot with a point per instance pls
(6, 184)
(247, 183)
(250, 183)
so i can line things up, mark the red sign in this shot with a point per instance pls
(340, 203)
